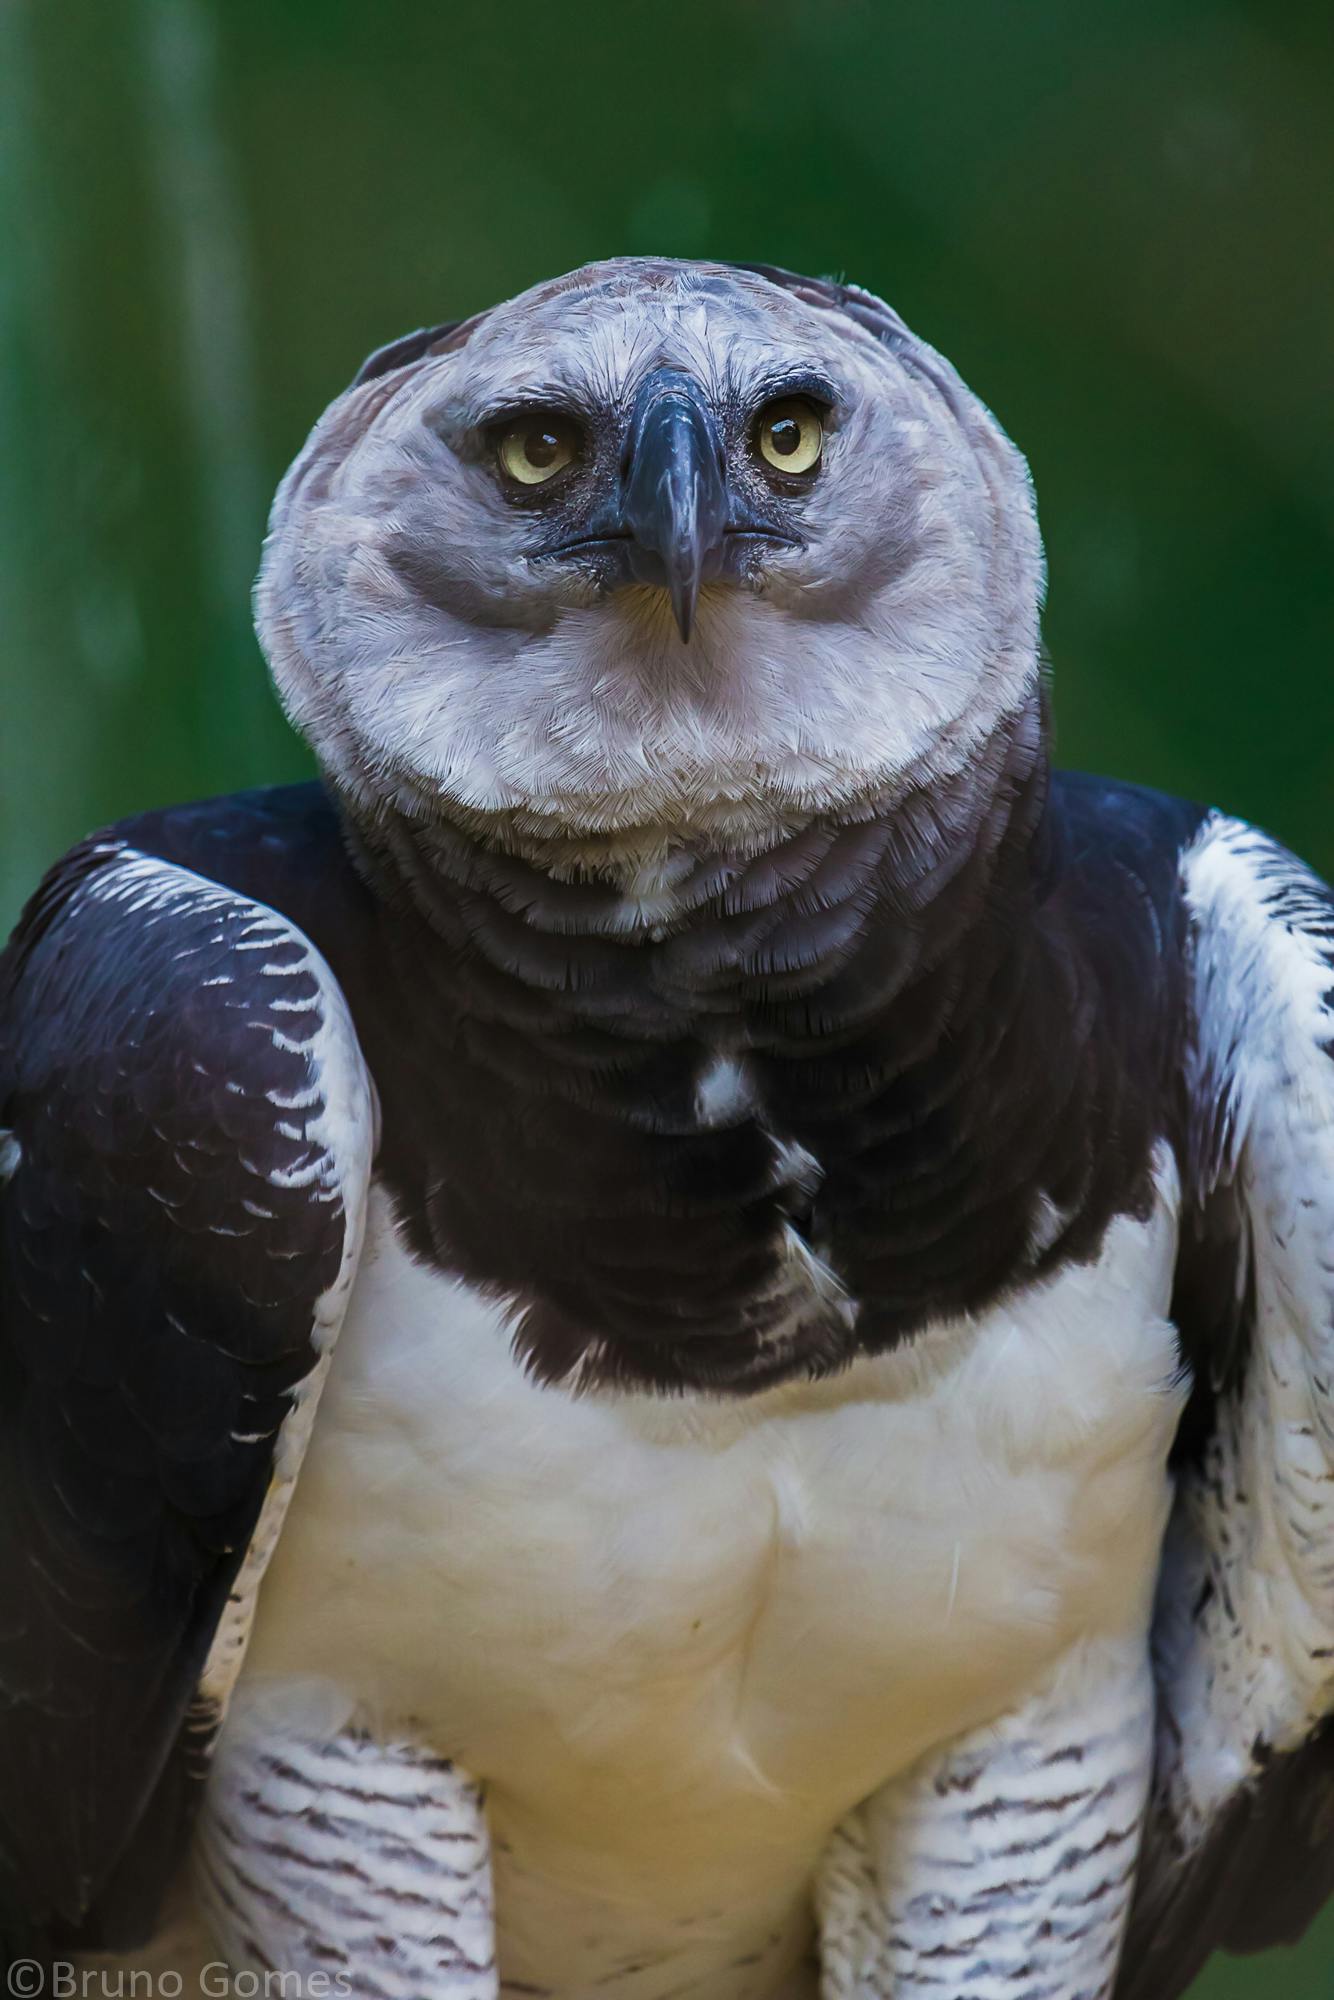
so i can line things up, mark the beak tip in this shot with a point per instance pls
(674, 499)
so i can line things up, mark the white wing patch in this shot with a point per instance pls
(1244, 1639)
(1249, 1577)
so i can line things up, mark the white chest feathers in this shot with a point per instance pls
(786, 1596)
(679, 1635)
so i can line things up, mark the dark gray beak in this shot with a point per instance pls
(674, 491)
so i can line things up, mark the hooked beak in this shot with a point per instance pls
(674, 499)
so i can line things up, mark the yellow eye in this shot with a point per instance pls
(789, 435)
(538, 447)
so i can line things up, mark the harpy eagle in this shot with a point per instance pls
(671, 1341)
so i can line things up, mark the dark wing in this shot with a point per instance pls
(185, 1138)
(1239, 1845)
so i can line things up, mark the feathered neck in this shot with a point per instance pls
(707, 928)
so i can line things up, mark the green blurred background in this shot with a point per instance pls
(1118, 219)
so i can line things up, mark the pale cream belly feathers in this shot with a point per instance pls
(679, 1639)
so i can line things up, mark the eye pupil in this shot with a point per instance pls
(785, 436)
(541, 448)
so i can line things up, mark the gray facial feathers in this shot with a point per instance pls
(454, 644)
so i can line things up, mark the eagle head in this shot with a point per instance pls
(656, 551)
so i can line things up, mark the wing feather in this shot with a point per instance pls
(1239, 1847)
(189, 1135)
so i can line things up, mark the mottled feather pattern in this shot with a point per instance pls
(172, 1238)
(353, 1857)
(1002, 1869)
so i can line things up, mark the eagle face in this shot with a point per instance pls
(653, 546)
